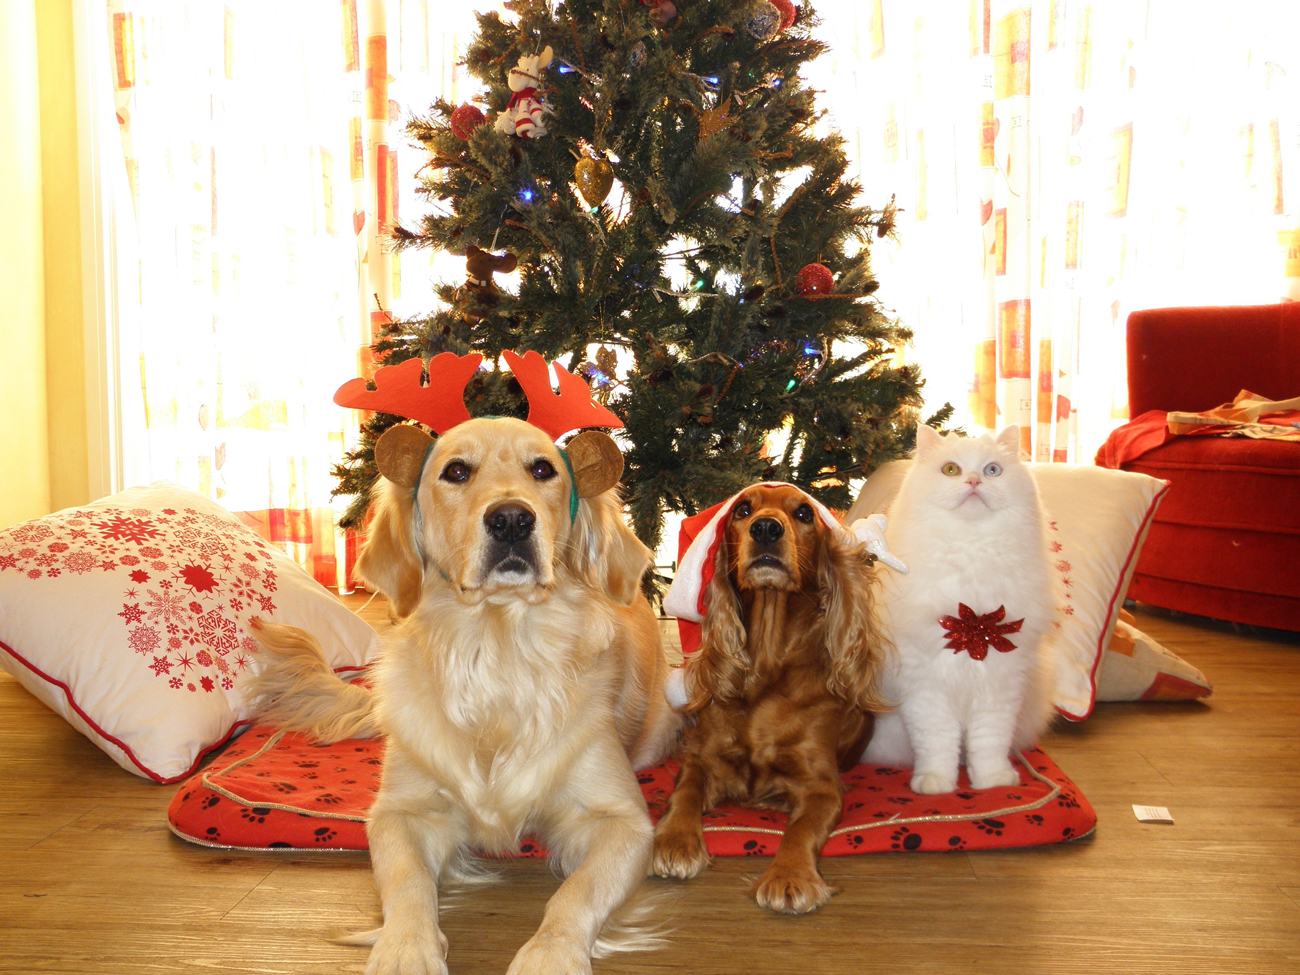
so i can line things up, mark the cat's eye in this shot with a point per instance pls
(992, 469)
(804, 513)
(951, 469)
(742, 510)
(542, 469)
(456, 472)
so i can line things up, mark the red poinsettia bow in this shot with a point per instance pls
(975, 634)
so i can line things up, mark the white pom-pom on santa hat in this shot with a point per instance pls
(685, 598)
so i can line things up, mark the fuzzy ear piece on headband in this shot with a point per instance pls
(597, 463)
(400, 454)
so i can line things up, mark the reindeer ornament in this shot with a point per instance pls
(523, 114)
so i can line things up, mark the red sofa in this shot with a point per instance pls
(1226, 541)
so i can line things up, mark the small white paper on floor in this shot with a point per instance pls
(1153, 814)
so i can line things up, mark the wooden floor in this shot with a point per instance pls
(91, 881)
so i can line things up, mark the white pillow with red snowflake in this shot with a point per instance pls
(130, 617)
(1098, 520)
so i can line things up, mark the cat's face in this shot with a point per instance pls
(970, 476)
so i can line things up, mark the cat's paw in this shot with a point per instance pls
(791, 891)
(933, 783)
(992, 778)
(679, 853)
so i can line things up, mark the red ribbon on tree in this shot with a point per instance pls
(975, 634)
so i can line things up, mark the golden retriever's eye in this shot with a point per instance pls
(456, 472)
(542, 469)
(951, 469)
(742, 510)
(804, 513)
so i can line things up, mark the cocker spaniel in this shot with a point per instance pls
(782, 689)
(521, 689)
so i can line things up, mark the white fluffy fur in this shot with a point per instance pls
(979, 540)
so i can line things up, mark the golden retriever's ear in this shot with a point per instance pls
(718, 670)
(390, 561)
(853, 639)
(604, 552)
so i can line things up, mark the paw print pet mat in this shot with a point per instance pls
(276, 790)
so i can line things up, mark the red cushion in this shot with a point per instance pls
(1193, 359)
(276, 790)
(1224, 543)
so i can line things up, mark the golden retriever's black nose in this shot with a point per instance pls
(765, 531)
(509, 522)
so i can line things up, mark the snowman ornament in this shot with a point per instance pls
(523, 114)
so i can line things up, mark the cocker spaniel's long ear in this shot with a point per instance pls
(604, 552)
(390, 561)
(854, 640)
(718, 670)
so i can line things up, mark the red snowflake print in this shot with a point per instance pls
(191, 688)
(251, 556)
(1067, 582)
(46, 559)
(58, 547)
(974, 634)
(8, 562)
(139, 575)
(33, 573)
(185, 662)
(249, 572)
(32, 532)
(26, 553)
(132, 613)
(1057, 546)
(150, 552)
(161, 666)
(219, 632)
(203, 658)
(1063, 566)
(54, 573)
(196, 607)
(268, 606)
(144, 640)
(174, 683)
(227, 683)
(169, 511)
(174, 643)
(108, 565)
(241, 662)
(166, 606)
(199, 578)
(248, 645)
(129, 560)
(137, 531)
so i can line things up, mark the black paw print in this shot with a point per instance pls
(324, 834)
(854, 806)
(1034, 819)
(965, 795)
(213, 833)
(285, 787)
(329, 798)
(528, 848)
(904, 839)
(956, 843)
(310, 776)
(1067, 832)
(372, 761)
(302, 764)
(901, 800)
(210, 801)
(856, 840)
(993, 827)
(875, 788)
(257, 814)
(752, 849)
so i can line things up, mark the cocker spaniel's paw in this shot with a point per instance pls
(933, 783)
(680, 854)
(791, 891)
(408, 950)
(546, 955)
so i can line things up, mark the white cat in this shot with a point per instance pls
(970, 685)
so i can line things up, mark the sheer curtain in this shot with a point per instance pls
(1059, 164)
(263, 149)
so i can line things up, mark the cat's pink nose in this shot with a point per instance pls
(974, 481)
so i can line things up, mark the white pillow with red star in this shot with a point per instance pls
(130, 618)
(1097, 521)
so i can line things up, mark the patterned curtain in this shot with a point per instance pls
(1061, 163)
(261, 144)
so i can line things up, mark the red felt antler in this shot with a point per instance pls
(439, 406)
(557, 413)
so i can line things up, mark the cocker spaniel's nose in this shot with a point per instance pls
(509, 522)
(765, 531)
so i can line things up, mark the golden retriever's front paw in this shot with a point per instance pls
(546, 955)
(680, 854)
(408, 950)
(791, 892)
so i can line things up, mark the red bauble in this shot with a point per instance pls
(788, 13)
(465, 120)
(815, 279)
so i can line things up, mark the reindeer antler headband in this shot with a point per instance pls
(594, 460)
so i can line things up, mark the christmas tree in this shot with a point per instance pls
(654, 174)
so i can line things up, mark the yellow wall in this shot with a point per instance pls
(65, 369)
(24, 466)
(42, 386)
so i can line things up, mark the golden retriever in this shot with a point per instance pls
(517, 696)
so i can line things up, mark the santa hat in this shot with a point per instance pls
(685, 598)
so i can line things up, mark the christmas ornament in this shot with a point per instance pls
(815, 279)
(715, 120)
(975, 634)
(523, 114)
(788, 13)
(764, 22)
(661, 15)
(480, 291)
(636, 56)
(465, 120)
(595, 178)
